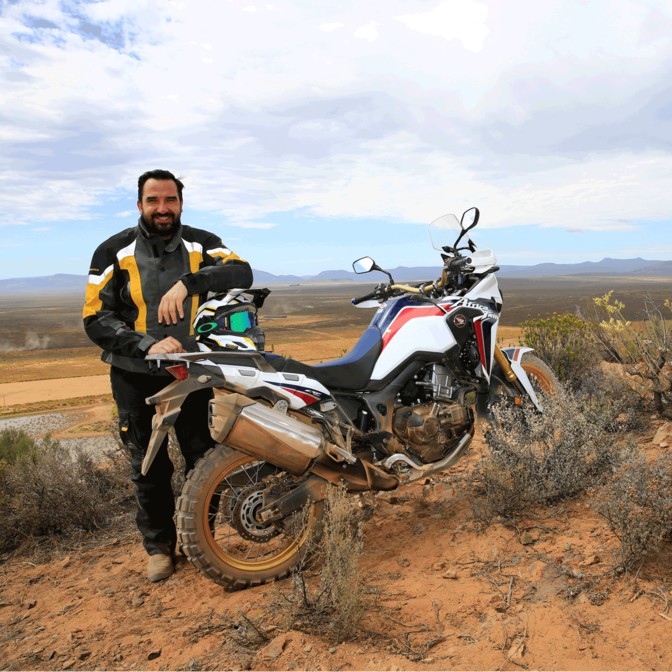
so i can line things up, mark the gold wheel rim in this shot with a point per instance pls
(265, 564)
(540, 376)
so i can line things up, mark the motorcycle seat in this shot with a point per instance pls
(350, 372)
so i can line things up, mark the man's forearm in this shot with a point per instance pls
(232, 274)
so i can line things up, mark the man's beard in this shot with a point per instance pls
(160, 228)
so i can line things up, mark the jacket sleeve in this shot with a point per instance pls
(220, 270)
(101, 322)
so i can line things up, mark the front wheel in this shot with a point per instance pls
(542, 377)
(218, 529)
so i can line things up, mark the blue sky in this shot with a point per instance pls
(311, 133)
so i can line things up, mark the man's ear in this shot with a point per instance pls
(140, 207)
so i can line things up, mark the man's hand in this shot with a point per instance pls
(171, 304)
(166, 346)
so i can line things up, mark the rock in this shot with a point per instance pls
(292, 666)
(118, 657)
(68, 664)
(403, 562)
(49, 655)
(591, 560)
(450, 574)
(332, 649)
(515, 653)
(274, 649)
(663, 444)
(438, 566)
(102, 605)
(308, 649)
(84, 655)
(271, 628)
(137, 601)
(65, 563)
(568, 547)
(536, 569)
(661, 434)
(5, 604)
(418, 529)
(153, 655)
(30, 603)
(526, 538)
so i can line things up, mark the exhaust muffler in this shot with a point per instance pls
(264, 433)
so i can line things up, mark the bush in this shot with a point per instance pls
(611, 401)
(339, 602)
(543, 458)
(45, 489)
(637, 505)
(565, 343)
(645, 350)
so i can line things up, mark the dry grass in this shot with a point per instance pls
(336, 605)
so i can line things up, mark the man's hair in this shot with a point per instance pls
(159, 175)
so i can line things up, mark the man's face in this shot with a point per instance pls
(160, 207)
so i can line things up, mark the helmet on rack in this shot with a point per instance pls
(226, 323)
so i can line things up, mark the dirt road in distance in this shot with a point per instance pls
(13, 394)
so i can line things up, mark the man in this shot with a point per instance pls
(144, 288)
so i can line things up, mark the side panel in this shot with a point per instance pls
(419, 328)
(298, 389)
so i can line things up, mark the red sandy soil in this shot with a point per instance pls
(94, 609)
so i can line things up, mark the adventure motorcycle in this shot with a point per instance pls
(397, 408)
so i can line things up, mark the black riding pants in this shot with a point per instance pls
(154, 495)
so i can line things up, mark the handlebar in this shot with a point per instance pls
(366, 297)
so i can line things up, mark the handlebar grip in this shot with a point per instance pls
(361, 299)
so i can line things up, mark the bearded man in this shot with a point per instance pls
(144, 288)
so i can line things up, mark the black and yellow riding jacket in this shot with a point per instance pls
(131, 271)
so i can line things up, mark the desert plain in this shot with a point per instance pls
(502, 604)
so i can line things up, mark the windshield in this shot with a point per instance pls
(444, 231)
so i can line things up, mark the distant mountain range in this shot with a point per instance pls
(631, 267)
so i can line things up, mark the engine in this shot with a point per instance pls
(429, 422)
(430, 429)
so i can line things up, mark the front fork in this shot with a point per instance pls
(509, 362)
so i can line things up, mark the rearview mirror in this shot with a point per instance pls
(470, 219)
(363, 265)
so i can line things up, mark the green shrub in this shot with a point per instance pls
(15, 445)
(637, 505)
(565, 343)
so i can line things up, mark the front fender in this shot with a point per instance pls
(515, 356)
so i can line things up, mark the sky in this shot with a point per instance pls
(311, 133)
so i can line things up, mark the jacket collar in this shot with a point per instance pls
(170, 245)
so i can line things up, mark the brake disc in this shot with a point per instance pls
(244, 514)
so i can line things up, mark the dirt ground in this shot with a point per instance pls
(90, 607)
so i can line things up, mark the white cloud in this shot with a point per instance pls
(555, 118)
(367, 32)
(126, 213)
(328, 27)
(252, 225)
(42, 228)
(12, 245)
(453, 20)
(251, 8)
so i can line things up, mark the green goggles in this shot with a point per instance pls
(240, 321)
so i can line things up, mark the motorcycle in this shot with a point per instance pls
(400, 406)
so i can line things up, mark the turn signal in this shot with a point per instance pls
(179, 372)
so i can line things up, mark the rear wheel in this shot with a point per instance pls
(218, 529)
